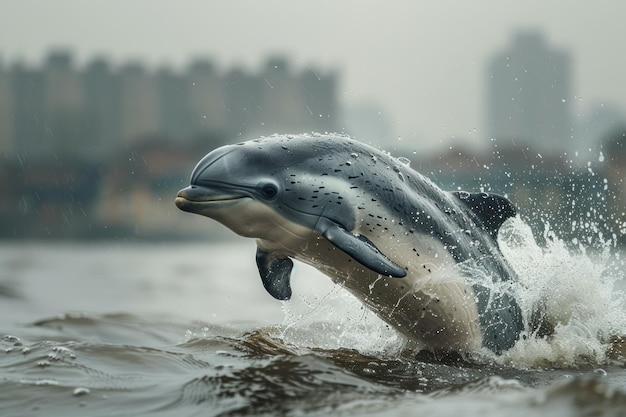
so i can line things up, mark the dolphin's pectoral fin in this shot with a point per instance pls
(360, 248)
(275, 273)
(491, 209)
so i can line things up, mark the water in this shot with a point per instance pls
(187, 329)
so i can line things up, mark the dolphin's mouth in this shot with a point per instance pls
(182, 200)
(194, 198)
(211, 200)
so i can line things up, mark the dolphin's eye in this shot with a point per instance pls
(269, 190)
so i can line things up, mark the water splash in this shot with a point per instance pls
(572, 296)
(575, 296)
(337, 320)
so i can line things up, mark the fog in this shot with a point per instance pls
(422, 65)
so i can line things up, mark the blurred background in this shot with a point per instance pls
(105, 107)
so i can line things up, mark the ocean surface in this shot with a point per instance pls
(171, 329)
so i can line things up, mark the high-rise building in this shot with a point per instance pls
(529, 95)
(318, 91)
(139, 103)
(63, 107)
(299, 102)
(174, 104)
(207, 110)
(31, 138)
(242, 98)
(282, 102)
(102, 108)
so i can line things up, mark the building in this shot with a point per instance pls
(318, 92)
(282, 102)
(139, 103)
(529, 95)
(207, 110)
(102, 108)
(31, 140)
(174, 105)
(63, 108)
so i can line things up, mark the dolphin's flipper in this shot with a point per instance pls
(491, 209)
(275, 273)
(360, 248)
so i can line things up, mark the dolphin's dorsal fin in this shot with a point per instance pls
(360, 248)
(275, 271)
(491, 209)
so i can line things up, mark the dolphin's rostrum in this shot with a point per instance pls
(424, 260)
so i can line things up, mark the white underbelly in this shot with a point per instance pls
(432, 304)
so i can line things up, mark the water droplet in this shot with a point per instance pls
(404, 161)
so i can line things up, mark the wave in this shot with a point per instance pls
(120, 363)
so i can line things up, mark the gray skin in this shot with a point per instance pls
(424, 260)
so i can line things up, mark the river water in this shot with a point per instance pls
(120, 329)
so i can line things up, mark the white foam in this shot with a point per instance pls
(577, 291)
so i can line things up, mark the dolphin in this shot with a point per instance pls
(425, 261)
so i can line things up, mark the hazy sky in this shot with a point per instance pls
(422, 62)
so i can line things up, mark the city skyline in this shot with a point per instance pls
(100, 106)
(92, 112)
(421, 64)
(97, 151)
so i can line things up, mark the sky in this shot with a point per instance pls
(422, 63)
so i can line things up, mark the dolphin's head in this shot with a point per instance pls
(278, 189)
(254, 186)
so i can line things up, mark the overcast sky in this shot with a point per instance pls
(422, 62)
